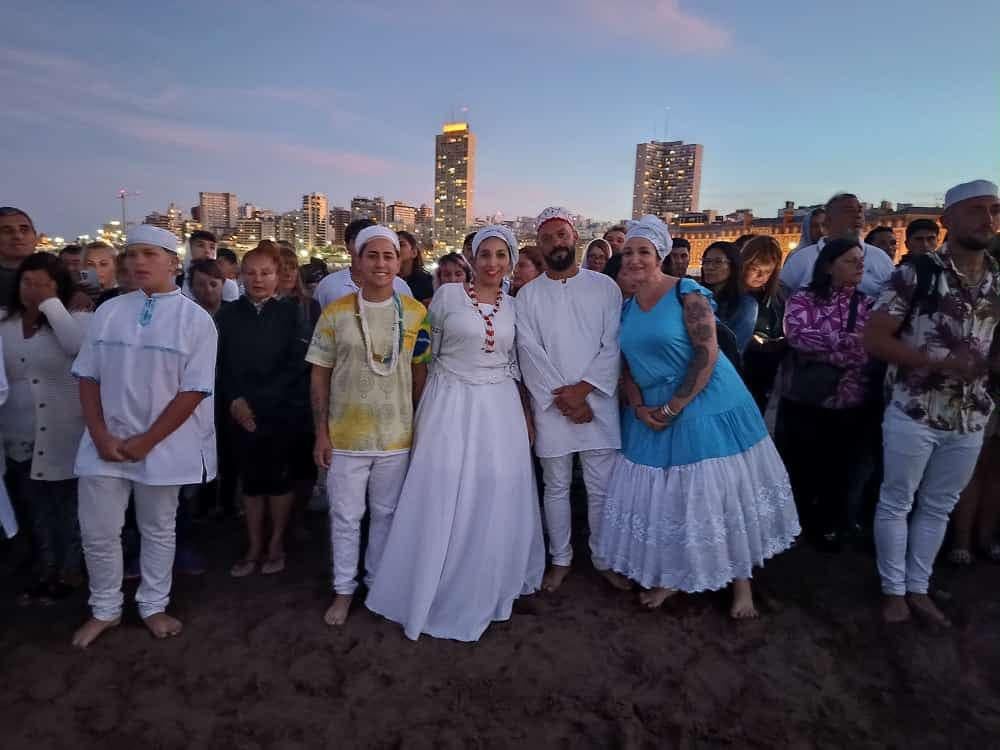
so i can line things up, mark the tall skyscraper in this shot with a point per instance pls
(339, 219)
(368, 208)
(315, 230)
(667, 178)
(454, 174)
(218, 212)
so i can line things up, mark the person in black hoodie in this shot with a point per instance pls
(261, 351)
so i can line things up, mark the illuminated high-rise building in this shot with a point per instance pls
(454, 174)
(667, 178)
(218, 212)
(401, 215)
(315, 230)
(368, 208)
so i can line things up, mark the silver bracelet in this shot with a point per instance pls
(666, 411)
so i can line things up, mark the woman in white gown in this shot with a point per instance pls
(466, 539)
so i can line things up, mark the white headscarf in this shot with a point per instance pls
(600, 243)
(651, 228)
(369, 233)
(497, 230)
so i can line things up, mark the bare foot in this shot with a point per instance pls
(895, 609)
(337, 613)
(617, 580)
(743, 607)
(654, 598)
(924, 606)
(162, 625)
(554, 577)
(91, 629)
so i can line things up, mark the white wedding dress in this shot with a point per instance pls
(466, 539)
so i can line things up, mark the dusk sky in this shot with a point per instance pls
(791, 100)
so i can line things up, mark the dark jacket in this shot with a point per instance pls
(261, 359)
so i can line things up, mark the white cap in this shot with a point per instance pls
(554, 212)
(369, 233)
(974, 189)
(147, 234)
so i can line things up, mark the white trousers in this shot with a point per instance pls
(348, 481)
(934, 465)
(102, 505)
(557, 474)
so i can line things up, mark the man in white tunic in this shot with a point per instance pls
(845, 219)
(567, 341)
(345, 281)
(146, 372)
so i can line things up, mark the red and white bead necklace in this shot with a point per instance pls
(489, 344)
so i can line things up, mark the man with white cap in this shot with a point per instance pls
(934, 324)
(567, 341)
(845, 219)
(369, 354)
(146, 371)
(346, 280)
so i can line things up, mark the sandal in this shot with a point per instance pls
(243, 568)
(960, 557)
(272, 566)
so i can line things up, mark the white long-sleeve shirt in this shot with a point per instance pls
(567, 332)
(798, 269)
(8, 521)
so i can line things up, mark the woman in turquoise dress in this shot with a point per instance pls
(698, 496)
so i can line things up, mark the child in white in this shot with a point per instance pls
(146, 371)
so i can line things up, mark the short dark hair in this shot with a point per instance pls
(922, 225)
(227, 253)
(616, 228)
(839, 197)
(875, 232)
(467, 242)
(65, 286)
(71, 250)
(822, 280)
(201, 234)
(11, 211)
(354, 228)
(680, 242)
(206, 266)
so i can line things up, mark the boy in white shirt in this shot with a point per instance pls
(146, 372)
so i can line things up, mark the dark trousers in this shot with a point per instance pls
(822, 449)
(760, 367)
(49, 510)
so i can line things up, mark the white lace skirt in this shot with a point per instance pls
(699, 526)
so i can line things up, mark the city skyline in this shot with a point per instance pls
(789, 105)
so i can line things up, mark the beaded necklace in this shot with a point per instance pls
(489, 344)
(382, 364)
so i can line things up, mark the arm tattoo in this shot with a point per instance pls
(700, 324)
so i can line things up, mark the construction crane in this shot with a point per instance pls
(123, 195)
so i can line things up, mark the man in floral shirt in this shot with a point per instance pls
(938, 348)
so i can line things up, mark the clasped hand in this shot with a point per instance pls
(653, 417)
(571, 400)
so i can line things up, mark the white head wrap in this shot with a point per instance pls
(601, 243)
(974, 189)
(554, 212)
(147, 234)
(651, 228)
(369, 233)
(497, 230)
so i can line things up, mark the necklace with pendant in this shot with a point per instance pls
(489, 344)
(382, 365)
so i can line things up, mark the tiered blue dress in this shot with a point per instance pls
(707, 499)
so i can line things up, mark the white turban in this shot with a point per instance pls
(370, 233)
(496, 230)
(147, 234)
(651, 228)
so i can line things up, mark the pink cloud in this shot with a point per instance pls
(661, 22)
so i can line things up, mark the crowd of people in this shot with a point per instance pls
(139, 389)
